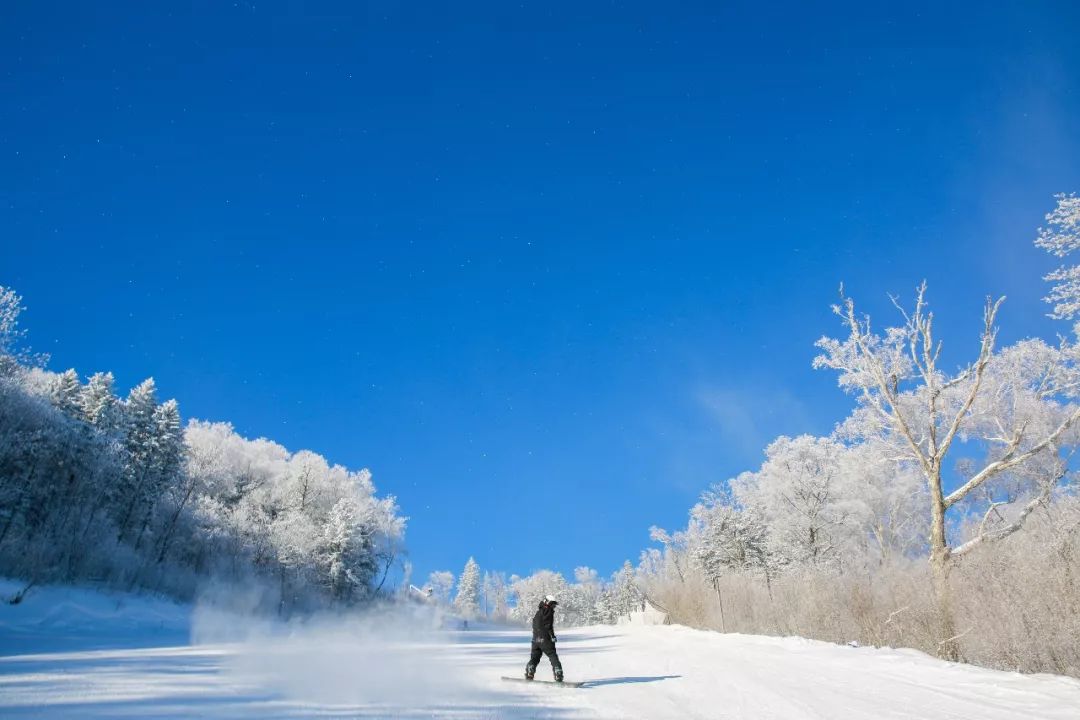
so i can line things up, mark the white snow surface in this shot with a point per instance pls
(82, 654)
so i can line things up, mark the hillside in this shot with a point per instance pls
(81, 654)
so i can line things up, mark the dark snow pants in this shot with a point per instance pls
(545, 647)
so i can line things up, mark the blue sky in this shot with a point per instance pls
(548, 271)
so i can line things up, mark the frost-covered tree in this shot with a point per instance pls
(1018, 404)
(441, 584)
(98, 402)
(345, 550)
(729, 538)
(670, 565)
(529, 591)
(1061, 237)
(66, 393)
(495, 596)
(140, 431)
(795, 492)
(581, 598)
(12, 354)
(119, 491)
(327, 530)
(882, 498)
(621, 597)
(467, 602)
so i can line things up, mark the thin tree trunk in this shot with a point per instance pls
(172, 522)
(719, 597)
(281, 604)
(386, 571)
(940, 563)
(19, 506)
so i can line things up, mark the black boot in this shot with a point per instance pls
(530, 671)
(558, 674)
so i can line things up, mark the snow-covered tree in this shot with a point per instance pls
(140, 430)
(98, 402)
(66, 393)
(467, 602)
(795, 494)
(882, 499)
(12, 354)
(495, 596)
(1061, 238)
(529, 591)
(621, 597)
(729, 538)
(921, 411)
(441, 584)
(91, 486)
(578, 601)
(345, 550)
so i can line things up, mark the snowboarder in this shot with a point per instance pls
(543, 639)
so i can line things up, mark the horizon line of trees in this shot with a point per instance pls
(491, 596)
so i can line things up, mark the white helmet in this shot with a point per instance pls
(550, 599)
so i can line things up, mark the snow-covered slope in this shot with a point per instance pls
(65, 618)
(135, 664)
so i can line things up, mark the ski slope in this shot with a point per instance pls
(67, 653)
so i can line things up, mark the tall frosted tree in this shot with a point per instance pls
(140, 431)
(66, 393)
(344, 551)
(1020, 404)
(98, 402)
(167, 459)
(467, 602)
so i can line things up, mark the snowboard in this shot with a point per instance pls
(564, 683)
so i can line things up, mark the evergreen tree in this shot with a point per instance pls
(168, 443)
(344, 551)
(140, 434)
(98, 402)
(66, 393)
(624, 596)
(467, 601)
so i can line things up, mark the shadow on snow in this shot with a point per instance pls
(627, 680)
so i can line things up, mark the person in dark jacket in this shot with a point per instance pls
(543, 639)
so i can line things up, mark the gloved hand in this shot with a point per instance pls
(554, 639)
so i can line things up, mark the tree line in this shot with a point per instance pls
(119, 491)
(942, 514)
(587, 600)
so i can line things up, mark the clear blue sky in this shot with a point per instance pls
(547, 271)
